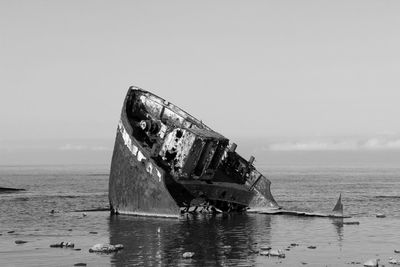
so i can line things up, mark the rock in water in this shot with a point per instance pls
(277, 253)
(397, 251)
(394, 261)
(264, 253)
(187, 255)
(312, 247)
(62, 245)
(106, 248)
(20, 242)
(372, 263)
(265, 247)
(380, 215)
(80, 264)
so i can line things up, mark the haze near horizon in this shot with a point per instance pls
(301, 75)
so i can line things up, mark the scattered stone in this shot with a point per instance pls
(264, 253)
(304, 263)
(394, 261)
(105, 248)
(78, 249)
(20, 242)
(351, 223)
(52, 211)
(277, 253)
(312, 247)
(287, 249)
(93, 233)
(80, 264)
(372, 263)
(11, 232)
(188, 255)
(226, 247)
(265, 247)
(84, 214)
(397, 251)
(294, 245)
(63, 245)
(380, 215)
(355, 262)
(69, 230)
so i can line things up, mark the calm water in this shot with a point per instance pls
(216, 240)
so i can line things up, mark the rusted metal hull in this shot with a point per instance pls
(166, 162)
(135, 190)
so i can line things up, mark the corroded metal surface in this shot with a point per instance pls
(164, 160)
(135, 187)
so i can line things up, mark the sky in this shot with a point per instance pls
(300, 75)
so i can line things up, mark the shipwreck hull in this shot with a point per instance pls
(166, 162)
(133, 188)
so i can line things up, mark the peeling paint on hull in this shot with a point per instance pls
(166, 161)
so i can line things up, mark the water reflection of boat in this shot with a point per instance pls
(166, 161)
(215, 239)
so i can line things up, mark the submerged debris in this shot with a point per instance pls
(63, 245)
(187, 255)
(351, 223)
(106, 248)
(338, 209)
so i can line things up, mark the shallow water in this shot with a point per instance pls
(216, 240)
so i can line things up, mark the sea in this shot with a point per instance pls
(58, 202)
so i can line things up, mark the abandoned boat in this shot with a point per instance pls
(166, 162)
